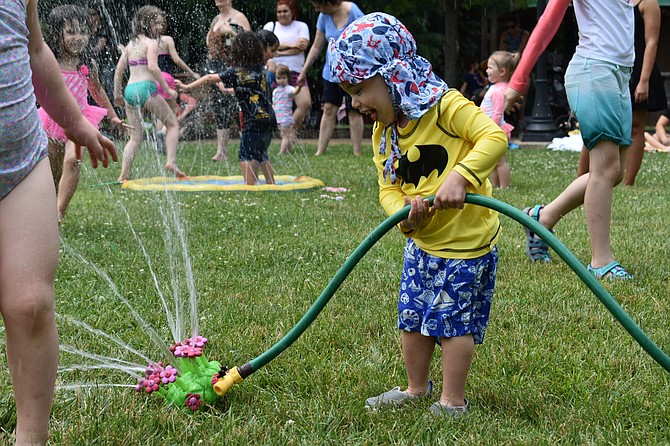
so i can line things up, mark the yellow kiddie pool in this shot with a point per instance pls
(219, 183)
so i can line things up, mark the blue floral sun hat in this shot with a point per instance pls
(379, 43)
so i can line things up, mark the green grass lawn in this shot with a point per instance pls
(556, 367)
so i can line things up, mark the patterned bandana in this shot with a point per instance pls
(379, 43)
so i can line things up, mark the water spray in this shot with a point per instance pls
(227, 378)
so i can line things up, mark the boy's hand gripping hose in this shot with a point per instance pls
(237, 375)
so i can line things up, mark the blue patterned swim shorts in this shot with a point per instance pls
(446, 297)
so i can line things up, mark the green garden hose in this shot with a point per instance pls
(239, 373)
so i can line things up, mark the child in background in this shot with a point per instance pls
(474, 84)
(431, 141)
(28, 216)
(499, 70)
(247, 78)
(282, 103)
(142, 93)
(596, 83)
(660, 140)
(68, 36)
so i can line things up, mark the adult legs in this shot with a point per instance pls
(303, 102)
(327, 126)
(29, 237)
(607, 166)
(636, 149)
(356, 127)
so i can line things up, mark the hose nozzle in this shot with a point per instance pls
(225, 382)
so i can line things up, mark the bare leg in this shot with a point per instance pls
(268, 172)
(608, 164)
(29, 237)
(503, 172)
(417, 351)
(161, 109)
(456, 359)
(636, 150)
(248, 172)
(303, 102)
(286, 143)
(571, 198)
(653, 141)
(326, 127)
(356, 127)
(69, 181)
(495, 179)
(222, 138)
(56, 156)
(136, 137)
(583, 166)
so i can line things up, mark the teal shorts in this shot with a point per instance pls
(599, 96)
(138, 93)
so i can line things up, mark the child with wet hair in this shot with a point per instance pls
(246, 76)
(144, 88)
(68, 37)
(429, 140)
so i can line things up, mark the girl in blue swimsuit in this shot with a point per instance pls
(141, 93)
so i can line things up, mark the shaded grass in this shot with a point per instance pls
(556, 368)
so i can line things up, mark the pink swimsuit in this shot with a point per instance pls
(77, 82)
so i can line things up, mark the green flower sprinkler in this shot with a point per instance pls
(227, 378)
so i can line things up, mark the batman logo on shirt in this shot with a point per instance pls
(421, 161)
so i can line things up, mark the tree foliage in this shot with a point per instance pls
(448, 32)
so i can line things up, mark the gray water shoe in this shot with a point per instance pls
(439, 409)
(395, 397)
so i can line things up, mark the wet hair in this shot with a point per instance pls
(506, 60)
(144, 18)
(323, 2)
(56, 21)
(268, 38)
(247, 50)
(282, 70)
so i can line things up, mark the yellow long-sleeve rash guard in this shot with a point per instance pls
(453, 135)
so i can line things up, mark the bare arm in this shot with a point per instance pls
(317, 46)
(121, 66)
(203, 80)
(54, 96)
(169, 41)
(152, 66)
(651, 15)
(99, 95)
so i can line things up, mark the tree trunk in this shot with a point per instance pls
(451, 64)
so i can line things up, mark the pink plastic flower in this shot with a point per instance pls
(84, 70)
(193, 401)
(168, 375)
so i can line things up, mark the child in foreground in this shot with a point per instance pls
(28, 217)
(282, 103)
(247, 78)
(431, 141)
(499, 69)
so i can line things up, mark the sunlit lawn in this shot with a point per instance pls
(556, 368)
